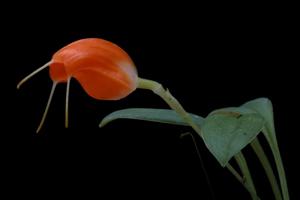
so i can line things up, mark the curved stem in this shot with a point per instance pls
(255, 144)
(169, 99)
(176, 106)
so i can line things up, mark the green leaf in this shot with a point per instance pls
(148, 114)
(263, 106)
(227, 131)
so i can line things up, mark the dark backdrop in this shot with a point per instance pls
(208, 60)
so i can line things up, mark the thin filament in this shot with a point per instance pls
(202, 165)
(67, 103)
(47, 107)
(33, 73)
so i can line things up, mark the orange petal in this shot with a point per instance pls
(104, 85)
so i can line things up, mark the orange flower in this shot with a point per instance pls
(103, 69)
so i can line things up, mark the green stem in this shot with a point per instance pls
(247, 175)
(281, 173)
(271, 138)
(169, 99)
(176, 106)
(255, 144)
(236, 175)
(239, 178)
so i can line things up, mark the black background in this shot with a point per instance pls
(209, 58)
